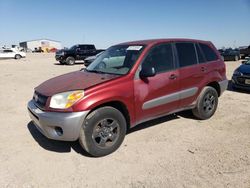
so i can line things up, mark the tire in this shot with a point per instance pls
(18, 56)
(70, 61)
(236, 58)
(206, 104)
(99, 129)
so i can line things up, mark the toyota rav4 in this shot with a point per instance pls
(128, 84)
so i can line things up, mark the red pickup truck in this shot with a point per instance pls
(128, 84)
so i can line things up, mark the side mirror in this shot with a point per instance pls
(147, 72)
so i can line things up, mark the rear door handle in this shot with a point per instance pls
(203, 69)
(173, 76)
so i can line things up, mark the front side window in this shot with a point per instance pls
(208, 52)
(161, 58)
(186, 54)
(116, 60)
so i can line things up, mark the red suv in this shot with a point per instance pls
(128, 84)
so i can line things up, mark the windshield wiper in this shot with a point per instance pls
(96, 71)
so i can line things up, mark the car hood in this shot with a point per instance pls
(78, 80)
(244, 69)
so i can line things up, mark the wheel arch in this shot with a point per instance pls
(119, 106)
(216, 86)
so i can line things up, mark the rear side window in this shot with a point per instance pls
(90, 47)
(161, 58)
(201, 57)
(186, 54)
(208, 52)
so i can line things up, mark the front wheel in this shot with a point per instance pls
(103, 131)
(206, 104)
(17, 56)
(70, 61)
(236, 58)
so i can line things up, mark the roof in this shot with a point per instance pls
(155, 41)
(41, 39)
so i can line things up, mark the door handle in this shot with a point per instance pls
(173, 76)
(203, 69)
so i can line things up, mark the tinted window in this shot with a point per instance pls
(89, 47)
(7, 51)
(208, 52)
(186, 54)
(201, 58)
(161, 58)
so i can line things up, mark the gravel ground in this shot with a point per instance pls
(173, 151)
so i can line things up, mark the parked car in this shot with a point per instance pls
(128, 84)
(38, 50)
(241, 76)
(245, 52)
(230, 54)
(76, 52)
(11, 53)
(90, 59)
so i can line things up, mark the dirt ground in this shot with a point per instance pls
(174, 151)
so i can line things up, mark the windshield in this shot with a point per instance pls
(247, 62)
(116, 60)
(74, 47)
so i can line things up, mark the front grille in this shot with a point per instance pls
(40, 100)
(247, 74)
(241, 80)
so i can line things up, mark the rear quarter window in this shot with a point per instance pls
(200, 55)
(209, 53)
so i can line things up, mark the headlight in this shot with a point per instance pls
(236, 72)
(66, 99)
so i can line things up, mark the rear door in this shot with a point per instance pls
(157, 95)
(191, 74)
(211, 62)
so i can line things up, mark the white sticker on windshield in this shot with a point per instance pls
(137, 48)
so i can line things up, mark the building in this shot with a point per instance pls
(41, 44)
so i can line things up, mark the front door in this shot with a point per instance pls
(157, 95)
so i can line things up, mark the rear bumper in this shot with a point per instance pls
(223, 85)
(49, 122)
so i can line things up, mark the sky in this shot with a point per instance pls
(108, 22)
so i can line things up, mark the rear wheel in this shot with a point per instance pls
(70, 61)
(103, 131)
(18, 56)
(207, 103)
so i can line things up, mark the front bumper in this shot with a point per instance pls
(48, 123)
(239, 85)
(59, 58)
